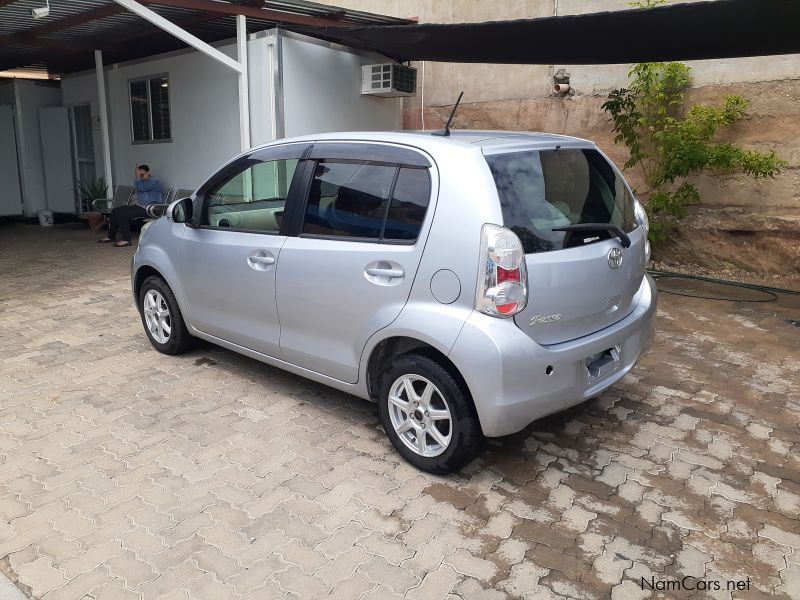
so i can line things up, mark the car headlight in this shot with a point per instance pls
(142, 231)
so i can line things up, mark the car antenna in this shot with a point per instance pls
(446, 131)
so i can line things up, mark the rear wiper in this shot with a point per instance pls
(613, 229)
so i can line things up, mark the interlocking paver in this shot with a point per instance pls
(293, 579)
(467, 564)
(352, 587)
(176, 554)
(92, 558)
(397, 579)
(299, 554)
(171, 580)
(270, 591)
(116, 590)
(91, 583)
(522, 579)
(342, 567)
(437, 584)
(129, 474)
(41, 577)
(257, 574)
(261, 547)
(393, 550)
(206, 587)
(131, 570)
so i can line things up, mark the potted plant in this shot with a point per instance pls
(89, 192)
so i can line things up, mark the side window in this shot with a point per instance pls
(360, 199)
(348, 198)
(412, 191)
(253, 199)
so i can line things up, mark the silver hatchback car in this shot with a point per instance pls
(468, 284)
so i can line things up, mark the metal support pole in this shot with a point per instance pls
(101, 97)
(244, 90)
(181, 34)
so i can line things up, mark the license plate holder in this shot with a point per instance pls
(602, 364)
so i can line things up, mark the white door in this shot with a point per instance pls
(57, 155)
(83, 145)
(11, 198)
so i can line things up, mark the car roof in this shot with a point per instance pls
(487, 140)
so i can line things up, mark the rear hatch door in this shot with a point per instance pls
(579, 282)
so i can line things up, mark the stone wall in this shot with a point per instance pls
(736, 210)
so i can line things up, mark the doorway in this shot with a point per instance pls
(11, 198)
(83, 146)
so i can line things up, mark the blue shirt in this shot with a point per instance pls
(148, 191)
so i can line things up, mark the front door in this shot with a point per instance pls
(349, 271)
(11, 198)
(59, 180)
(82, 146)
(229, 259)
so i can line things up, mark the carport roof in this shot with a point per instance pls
(676, 31)
(63, 42)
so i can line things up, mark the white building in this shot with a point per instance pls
(184, 112)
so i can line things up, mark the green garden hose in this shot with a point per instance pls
(770, 292)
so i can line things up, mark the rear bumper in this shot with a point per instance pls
(506, 371)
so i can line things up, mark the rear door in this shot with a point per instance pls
(578, 281)
(229, 259)
(349, 271)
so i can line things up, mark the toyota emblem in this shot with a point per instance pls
(615, 258)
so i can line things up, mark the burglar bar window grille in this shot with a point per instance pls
(405, 79)
(150, 111)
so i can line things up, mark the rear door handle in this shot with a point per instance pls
(390, 273)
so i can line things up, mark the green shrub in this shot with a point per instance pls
(669, 141)
(90, 190)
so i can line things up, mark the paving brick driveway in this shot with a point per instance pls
(128, 474)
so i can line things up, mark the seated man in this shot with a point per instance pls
(148, 191)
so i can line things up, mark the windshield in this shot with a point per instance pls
(544, 190)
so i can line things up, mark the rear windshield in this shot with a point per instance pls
(543, 190)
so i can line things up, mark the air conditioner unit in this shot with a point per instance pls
(388, 80)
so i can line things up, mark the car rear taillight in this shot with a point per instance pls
(644, 222)
(502, 289)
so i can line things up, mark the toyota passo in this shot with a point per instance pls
(468, 284)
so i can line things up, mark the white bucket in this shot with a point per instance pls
(46, 218)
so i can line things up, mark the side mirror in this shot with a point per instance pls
(180, 211)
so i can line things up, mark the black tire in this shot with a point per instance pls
(179, 340)
(465, 436)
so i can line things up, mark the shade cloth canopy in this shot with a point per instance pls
(702, 30)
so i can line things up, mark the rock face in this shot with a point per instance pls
(736, 209)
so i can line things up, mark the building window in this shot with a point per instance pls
(150, 117)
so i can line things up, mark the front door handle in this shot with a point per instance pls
(390, 273)
(260, 260)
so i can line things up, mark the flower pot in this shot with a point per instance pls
(95, 220)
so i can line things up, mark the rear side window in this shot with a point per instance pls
(540, 191)
(366, 200)
(409, 204)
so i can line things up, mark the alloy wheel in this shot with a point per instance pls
(157, 317)
(420, 415)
